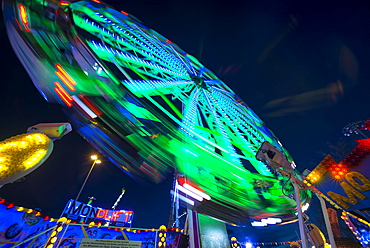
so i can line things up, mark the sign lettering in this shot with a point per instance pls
(81, 212)
(361, 184)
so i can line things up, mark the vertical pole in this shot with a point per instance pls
(194, 241)
(156, 238)
(87, 177)
(327, 221)
(118, 199)
(300, 215)
(177, 206)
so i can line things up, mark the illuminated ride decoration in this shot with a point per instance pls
(22, 154)
(150, 107)
(80, 212)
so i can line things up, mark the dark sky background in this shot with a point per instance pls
(302, 66)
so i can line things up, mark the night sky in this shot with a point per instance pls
(302, 66)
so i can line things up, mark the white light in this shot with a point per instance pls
(256, 223)
(293, 165)
(84, 107)
(248, 245)
(273, 220)
(269, 220)
(305, 207)
(188, 192)
(183, 198)
(196, 191)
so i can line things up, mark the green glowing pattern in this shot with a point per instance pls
(170, 110)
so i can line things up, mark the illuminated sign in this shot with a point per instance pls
(97, 243)
(82, 212)
(352, 190)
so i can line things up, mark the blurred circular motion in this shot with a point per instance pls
(149, 107)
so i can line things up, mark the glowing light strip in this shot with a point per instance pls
(213, 154)
(265, 222)
(271, 220)
(23, 13)
(197, 191)
(64, 3)
(65, 81)
(183, 198)
(188, 192)
(65, 74)
(88, 111)
(63, 91)
(63, 94)
(61, 69)
(256, 223)
(91, 105)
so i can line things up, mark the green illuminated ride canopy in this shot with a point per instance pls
(150, 107)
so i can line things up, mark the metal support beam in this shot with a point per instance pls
(327, 221)
(194, 241)
(300, 214)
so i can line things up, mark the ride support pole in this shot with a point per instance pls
(327, 221)
(194, 239)
(300, 215)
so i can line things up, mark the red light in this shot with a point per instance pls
(10, 205)
(123, 12)
(63, 94)
(65, 77)
(64, 3)
(91, 105)
(2, 200)
(181, 180)
(168, 41)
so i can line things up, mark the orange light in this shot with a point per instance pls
(64, 80)
(337, 177)
(62, 93)
(123, 12)
(97, 1)
(65, 77)
(64, 3)
(68, 97)
(23, 13)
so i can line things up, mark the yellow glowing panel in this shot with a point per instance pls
(21, 154)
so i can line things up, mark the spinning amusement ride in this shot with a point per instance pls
(151, 108)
